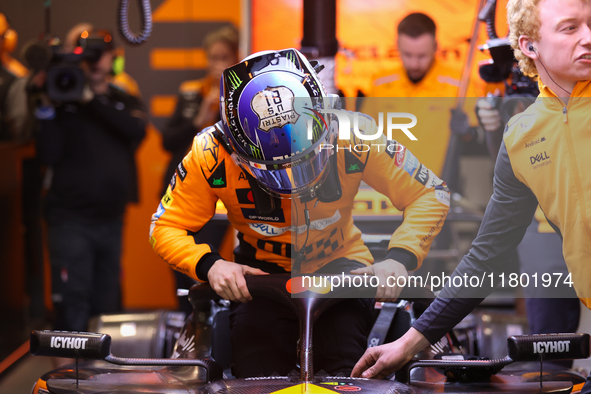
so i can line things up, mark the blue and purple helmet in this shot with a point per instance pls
(269, 102)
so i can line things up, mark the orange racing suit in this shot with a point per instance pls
(208, 173)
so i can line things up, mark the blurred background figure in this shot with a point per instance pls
(198, 107)
(13, 99)
(433, 86)
(421, 74)
(88, 142)
(119, 78)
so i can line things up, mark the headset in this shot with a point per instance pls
(531, 48)
(9, 35)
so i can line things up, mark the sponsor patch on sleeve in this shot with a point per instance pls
(392, 148)
(434, 180)
(211, 149)
(422, 175)
(442, 195)
(399, 157)
(411, 163)
(167, 199)
(173, 181)
(218, 178)
(181, 171)
(160, 211)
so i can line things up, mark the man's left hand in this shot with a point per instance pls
(459, 124)
(383, 270)
(381, 361)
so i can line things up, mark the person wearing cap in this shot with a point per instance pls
(289, 185)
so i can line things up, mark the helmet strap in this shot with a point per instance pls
(264, 203)
(331, 190)
(219, 135)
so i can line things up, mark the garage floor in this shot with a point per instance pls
(21, 377)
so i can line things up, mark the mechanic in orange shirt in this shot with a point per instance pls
(422, 75)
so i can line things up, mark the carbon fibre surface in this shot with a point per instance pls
(287, 385)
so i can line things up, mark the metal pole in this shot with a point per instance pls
(319, 41)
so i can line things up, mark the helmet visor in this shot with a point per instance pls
(292, 177)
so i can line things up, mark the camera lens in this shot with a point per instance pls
(66, 81)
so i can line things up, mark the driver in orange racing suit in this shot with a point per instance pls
(291, 200)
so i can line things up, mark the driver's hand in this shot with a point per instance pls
(227, 280)
(383, 270)
(381, 361)
(489, 116)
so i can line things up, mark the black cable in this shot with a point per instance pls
(550, 76)
(491, 30)
(301, 252)
(307, 219)
(146, 22)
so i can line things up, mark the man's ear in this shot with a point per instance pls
(527, 47)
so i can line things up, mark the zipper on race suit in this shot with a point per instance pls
(564, 115)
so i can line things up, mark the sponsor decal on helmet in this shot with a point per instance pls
(234, 80)
(274, 107)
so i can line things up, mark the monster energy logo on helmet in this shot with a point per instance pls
(291, 57)
(256, 152)
(234, 80)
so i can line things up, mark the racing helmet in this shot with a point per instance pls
(270, 116)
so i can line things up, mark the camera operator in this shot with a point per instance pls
(89, 144)
(120, 78)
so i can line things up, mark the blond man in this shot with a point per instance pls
(543, 158)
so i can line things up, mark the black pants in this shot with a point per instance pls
(265, 334)
(85, 270)
(587, 387)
